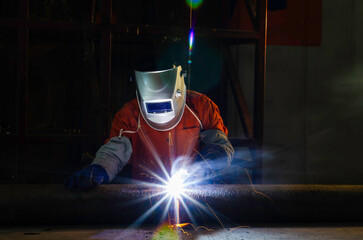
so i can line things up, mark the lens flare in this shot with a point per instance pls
(194, 3)
(191, 40)
(166, 232)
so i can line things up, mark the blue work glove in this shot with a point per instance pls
(89, 177)
(213, 152)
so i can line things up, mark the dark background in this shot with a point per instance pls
(314, 100)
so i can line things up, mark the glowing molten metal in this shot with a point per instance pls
(175, 187)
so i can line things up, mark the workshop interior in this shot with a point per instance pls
(286, 75)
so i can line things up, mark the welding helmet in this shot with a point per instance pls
(161, 97)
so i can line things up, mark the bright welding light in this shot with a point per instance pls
(175, 186)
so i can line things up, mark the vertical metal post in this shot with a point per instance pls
(106, 41)
(22, 78)
(259, 94)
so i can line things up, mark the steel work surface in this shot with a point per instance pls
(279, 232)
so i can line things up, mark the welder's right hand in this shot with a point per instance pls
(89, 177)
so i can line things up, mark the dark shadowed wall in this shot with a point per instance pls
(314, 102)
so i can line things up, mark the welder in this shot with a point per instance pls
(164, 124)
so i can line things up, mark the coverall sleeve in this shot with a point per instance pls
(214, 136)
(114, 155)
(117, 150)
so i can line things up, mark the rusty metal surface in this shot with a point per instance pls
(115, 204)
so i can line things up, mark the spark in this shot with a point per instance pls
(172, 194)
(195, 227)
(173, 197)
(190, 215)
(216, 216)
(258, 192)
(231, 229)
(173, 189)
(181, 225)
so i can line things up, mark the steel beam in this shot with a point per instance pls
(122, 204)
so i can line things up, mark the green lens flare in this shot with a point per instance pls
(194, 3)
(166, 232)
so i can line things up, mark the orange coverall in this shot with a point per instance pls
(149, 145)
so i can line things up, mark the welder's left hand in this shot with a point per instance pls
(89, 177)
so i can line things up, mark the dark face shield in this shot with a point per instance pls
(161, 97)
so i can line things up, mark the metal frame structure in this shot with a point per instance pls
(253, 130)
